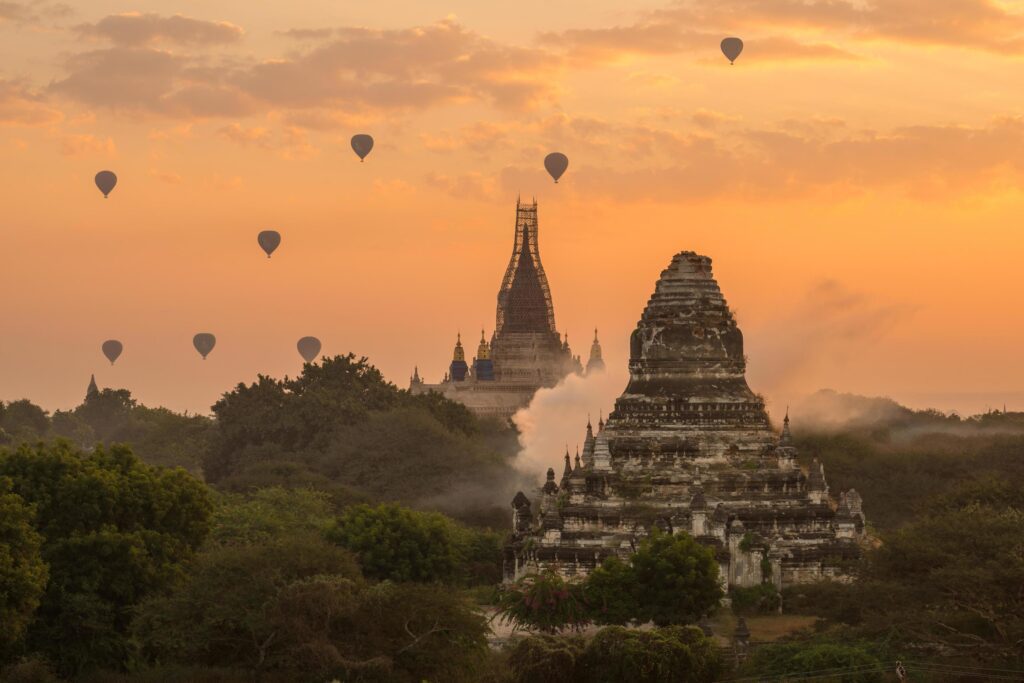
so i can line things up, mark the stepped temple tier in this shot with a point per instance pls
(526, 352)
(688, 448)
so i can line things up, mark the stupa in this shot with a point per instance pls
(689, 448)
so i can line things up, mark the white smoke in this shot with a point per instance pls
(557, 417)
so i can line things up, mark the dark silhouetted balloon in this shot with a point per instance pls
(204, 343)
(269, 240)
(309, 348)
(106, 180)
(362, 144)
(112, 349)
(731, 48)
(556, 163)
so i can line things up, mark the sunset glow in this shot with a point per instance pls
(856, 178)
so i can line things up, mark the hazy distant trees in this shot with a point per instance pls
(22, 421)
(157, 435)
(341, 427)
(951, 581)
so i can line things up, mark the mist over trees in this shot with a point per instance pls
(335, 526)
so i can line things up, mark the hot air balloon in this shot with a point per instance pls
(204, 343)
(731, 48)
(269, 241)
(362, 144)
(556, 163)
(112, 349)
(106, 180)
(309, 348)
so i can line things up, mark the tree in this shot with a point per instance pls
(617, 655)
(341, 426)
(676, 579)
(398, 544)
(789, 659)
(953, 580)
(675, 653)
(429, 634)
(23, 421)
(299, 605)
(546, 658)
(220, 612)
(270, 514)
(114, 531)
(23, 573)
(947, 585)
(545, 602)
(611, 592)
(108, 413)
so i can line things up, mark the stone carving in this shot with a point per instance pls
(689, 448)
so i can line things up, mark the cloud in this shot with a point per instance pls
(169, 177)
(87, 145)
(472, 185)
(15, 11)
(292, 142)
(639, 162)
(404, 68)
(147, 80)
(557, 418)
(831, 322)
(357, 71)
(983, 24)
(769, 29)
(136, 30)
(668, 33)
(308, 33)
(481, 137)
(19, 107)
(246, 135)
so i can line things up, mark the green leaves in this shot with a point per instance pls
(398, 544)
(617, 655)
(23, 573)
(671, 579)
(545, 602)
(113, 531)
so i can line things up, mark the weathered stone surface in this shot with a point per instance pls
(689, 447)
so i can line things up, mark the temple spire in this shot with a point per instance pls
(524, 300)
(93, 390)
(786, 439)
(458, 367)
(596, 360)
(567, 472)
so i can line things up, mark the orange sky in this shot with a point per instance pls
(856, 178)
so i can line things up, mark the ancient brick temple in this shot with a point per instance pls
(526, 352)
(689, 448)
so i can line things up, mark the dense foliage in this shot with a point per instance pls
(545, 602)
(398, 544)
(843, 663)
(947, 584)
(618, 655)
(157, 435)
(293, 569)
(341, 427)
(670, 579)
(288, 601)
(113, 530)
(23, 573)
